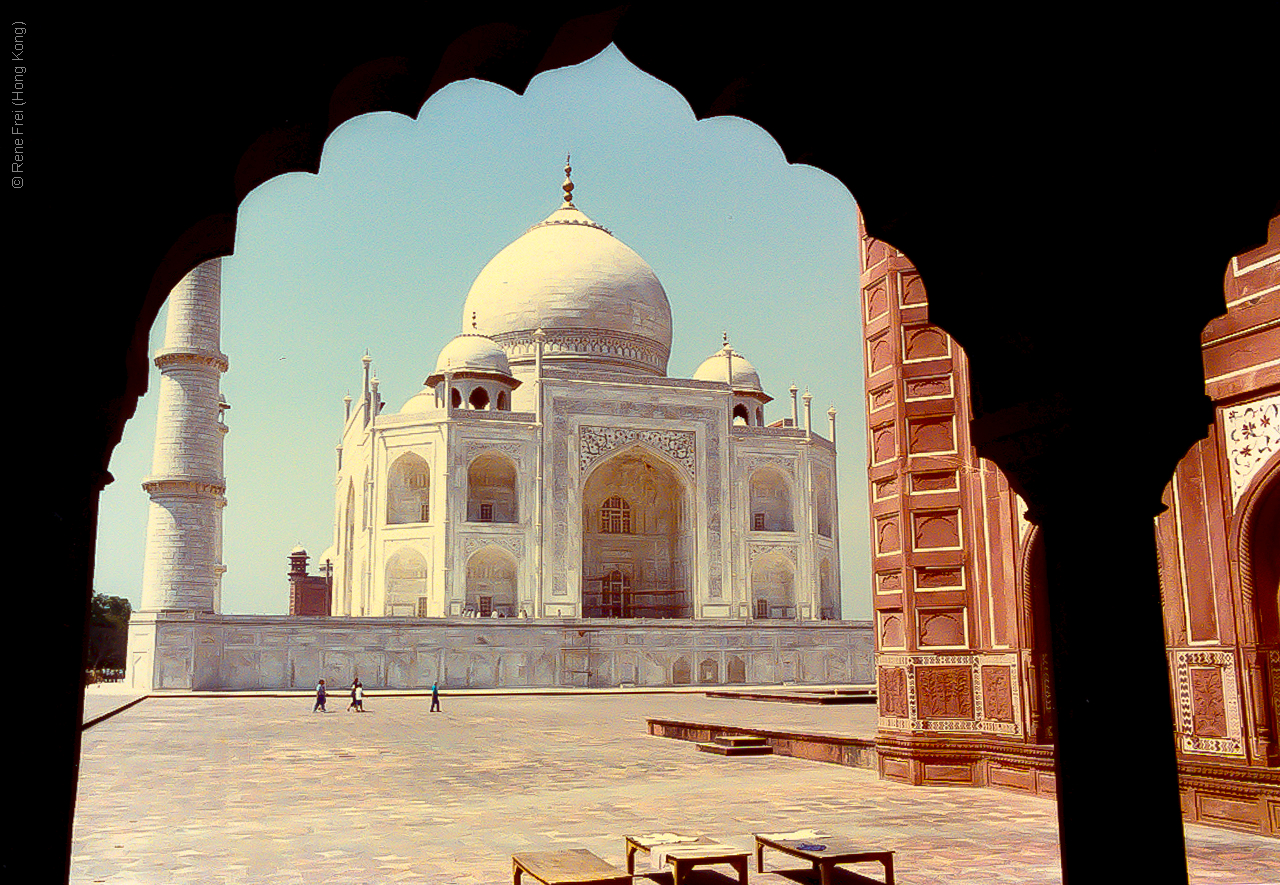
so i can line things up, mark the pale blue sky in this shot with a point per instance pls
(379, 250)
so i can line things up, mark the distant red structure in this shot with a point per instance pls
(309, 594)
(958, 573)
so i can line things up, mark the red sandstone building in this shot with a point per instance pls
(310, 595)
(961, 638)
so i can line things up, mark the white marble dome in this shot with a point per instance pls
(716, 368)
(599, 304)
(472, 352)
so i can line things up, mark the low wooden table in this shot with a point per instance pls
(835, 851)
(686, 852)
(569, 866)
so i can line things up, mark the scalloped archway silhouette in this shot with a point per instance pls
(985, 139)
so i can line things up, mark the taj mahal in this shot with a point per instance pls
(550, 467)
(552, 508)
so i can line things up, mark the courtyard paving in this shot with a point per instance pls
(258, 789)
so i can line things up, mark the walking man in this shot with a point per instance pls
(319, 698)
(435, 699)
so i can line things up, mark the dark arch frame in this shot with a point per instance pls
(294, 79)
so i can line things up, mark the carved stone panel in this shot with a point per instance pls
(931, 434)
(924, 343)
(943, 578)
(787, 551)
(941, 628)
(596, 442)
(779, 462)
(934, 387)
(877, 298)
(478, 447)
(912, 289)
(885, 488)
(997, 693)
(880, 397)
(933, 529)
(892, 689)
(879, 352)
(944, 692)
(1208, 708)
(884, 443)
(934, 481)
(888, 536)
(888, 582)
(512, 543)
(891, 634)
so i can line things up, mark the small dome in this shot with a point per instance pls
(422, 401)
(298, 550)
(716, 367)
(472, 352)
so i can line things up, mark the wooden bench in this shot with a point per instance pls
(684, 853)
(568, 866)
(832, 852)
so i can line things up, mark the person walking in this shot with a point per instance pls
(353, 705)
(359, 696)
(319, 698)
(435, 699)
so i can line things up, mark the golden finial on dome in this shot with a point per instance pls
(568, 184)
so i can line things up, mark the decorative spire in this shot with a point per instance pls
(568, 185)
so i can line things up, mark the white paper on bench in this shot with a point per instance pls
(798, 834)
(664, 838)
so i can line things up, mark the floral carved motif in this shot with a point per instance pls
(512, 449)
(596, 442)
(1253, 436)
(513, 543)
(786, 465)
(1208, 710)
(944, 692)
(997, 693)
(755, 551)
(893, 692)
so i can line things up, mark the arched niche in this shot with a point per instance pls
(741, 415)
(491, 489)
(408, 490)
(828, 599)
(635, 523)
(365, 500)
(773, 593)
(771, 505)
(407, 584)
(822, 518)
(492, 582)
(479, 399)
(1255, 539)
(348, 548)
(1034, 612)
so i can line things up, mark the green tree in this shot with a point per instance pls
(108, 632)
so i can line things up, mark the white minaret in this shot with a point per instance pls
(183, 568)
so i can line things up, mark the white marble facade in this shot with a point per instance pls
(551, 469)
